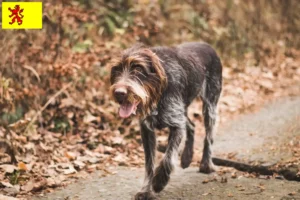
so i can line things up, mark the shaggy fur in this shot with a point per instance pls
(158, 84)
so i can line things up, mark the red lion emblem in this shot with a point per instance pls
(15, 14)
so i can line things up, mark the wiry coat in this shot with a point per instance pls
(185, 72)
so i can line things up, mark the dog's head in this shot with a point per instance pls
(137, 81)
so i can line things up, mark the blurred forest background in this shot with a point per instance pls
(56, 119)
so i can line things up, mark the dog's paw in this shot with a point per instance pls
(186, 157)
(161, 178)
(207, 167)
(144, 196)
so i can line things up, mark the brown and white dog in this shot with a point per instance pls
(158, 84)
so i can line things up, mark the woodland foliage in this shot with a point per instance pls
(56, 117)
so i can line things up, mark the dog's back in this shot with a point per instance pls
(190, 67)
(202, 54)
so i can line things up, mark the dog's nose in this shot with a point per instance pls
(120, 94)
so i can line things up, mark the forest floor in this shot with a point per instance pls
(267, 136)
(60, 130)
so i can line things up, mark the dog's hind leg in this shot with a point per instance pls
(210, 99)
(149, 144)
(188, 151)
(209, 113)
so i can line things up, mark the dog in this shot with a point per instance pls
(158, 84)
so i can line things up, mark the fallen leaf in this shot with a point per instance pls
(292, 193)
(28, 186)
(70, 155)
(8, 168)
(233, 175)
(44, 147)
(120, 158)
(3, 197)
(93, 160)
(117, 140)
(79, 164)
(22, 166)
(262, 188)
(265, 83)
(231, 155)
(108, 149)
(35, 184)
(20, 124)
(66, 102)
(54, 181)
(6, 184)
(12, 191)
(71, 170)
(89, 118)
(205, 181)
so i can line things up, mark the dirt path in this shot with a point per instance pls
(258, 136)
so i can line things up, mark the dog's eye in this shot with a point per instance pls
(138, 69)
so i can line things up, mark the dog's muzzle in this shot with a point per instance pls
(128, 105)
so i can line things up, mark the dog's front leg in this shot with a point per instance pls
(163, 171)
(149, 144)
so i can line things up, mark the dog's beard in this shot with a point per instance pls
(137, 97)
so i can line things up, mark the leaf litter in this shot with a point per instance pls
(69, 126)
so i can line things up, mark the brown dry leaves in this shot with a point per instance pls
(79, 131)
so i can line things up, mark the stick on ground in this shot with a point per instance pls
(289, 174)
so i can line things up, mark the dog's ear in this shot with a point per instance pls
(156, 66)
(113, 67)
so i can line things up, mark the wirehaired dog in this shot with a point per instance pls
(158, 84)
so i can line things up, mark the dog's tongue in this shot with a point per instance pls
(127, 109)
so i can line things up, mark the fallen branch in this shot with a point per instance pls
(263, 170)
(288, 174)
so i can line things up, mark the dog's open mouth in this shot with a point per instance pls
(127, 108)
